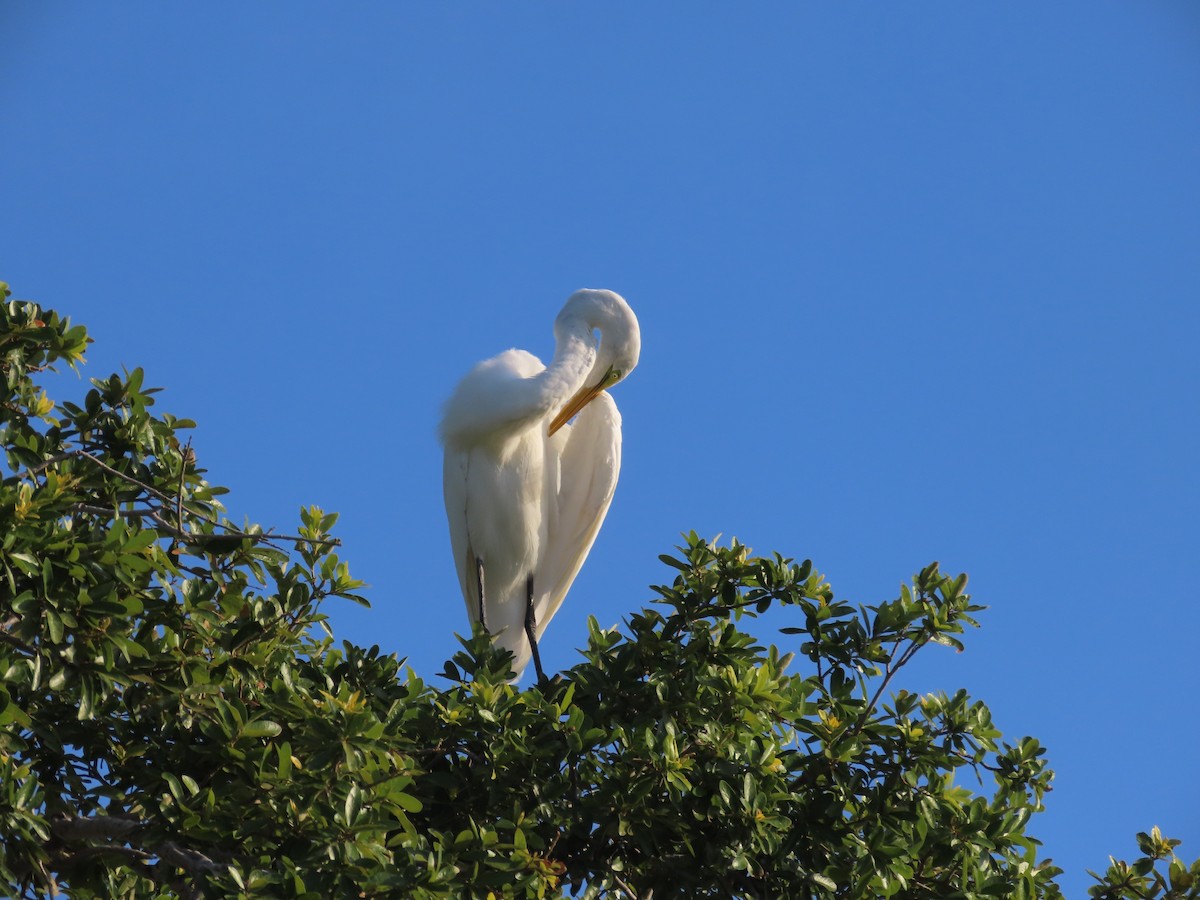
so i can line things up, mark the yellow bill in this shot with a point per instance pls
(585, 396)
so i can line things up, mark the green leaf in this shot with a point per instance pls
(407, 802)
(54, 626)
(352, 804)
(260, 728)
(284, 753)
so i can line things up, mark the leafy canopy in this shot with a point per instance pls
(177, 720)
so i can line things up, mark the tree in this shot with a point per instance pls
(176, 718)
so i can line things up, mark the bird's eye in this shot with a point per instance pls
(612, 376)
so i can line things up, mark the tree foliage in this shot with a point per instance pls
(177, 720)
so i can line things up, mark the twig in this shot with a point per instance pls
(48, 877)
(633, 895)
(47, 463)
(110, 511)
(13, 640)
(119, 849)
(975, 763)
(889, 671)
(171, 531)
(183, 464)
(177, 502)
(153, 492)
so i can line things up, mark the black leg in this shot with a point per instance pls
(531, 629)
(479, 584)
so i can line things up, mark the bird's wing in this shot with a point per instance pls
(454, 489)
(583, 461)
(497, 397)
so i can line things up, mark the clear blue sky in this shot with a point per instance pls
(916, 281)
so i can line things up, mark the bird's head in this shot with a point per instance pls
(618, 351)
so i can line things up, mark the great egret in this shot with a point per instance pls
(525, 492)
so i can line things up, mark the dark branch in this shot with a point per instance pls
(176, 502)
(13, 640)
(170, 531)
(191, 860)
(152, 491)
(120, 834)
(94, 828)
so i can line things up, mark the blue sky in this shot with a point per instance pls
(915, 282)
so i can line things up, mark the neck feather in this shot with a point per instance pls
(574, 358)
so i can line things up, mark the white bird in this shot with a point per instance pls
(525, 492)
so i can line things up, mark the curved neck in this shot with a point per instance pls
(574, 358)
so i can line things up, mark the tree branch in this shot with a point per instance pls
(625, 887)
(152, 491)
(191, 860)
(93, 828)
(47, 463)
(176, 502)
(119, 834)
(889, 671)
(186, 537)
(13, 640)
(103, 834)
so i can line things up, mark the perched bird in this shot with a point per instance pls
(526, 492)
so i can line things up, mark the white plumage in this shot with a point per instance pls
(525, 492)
